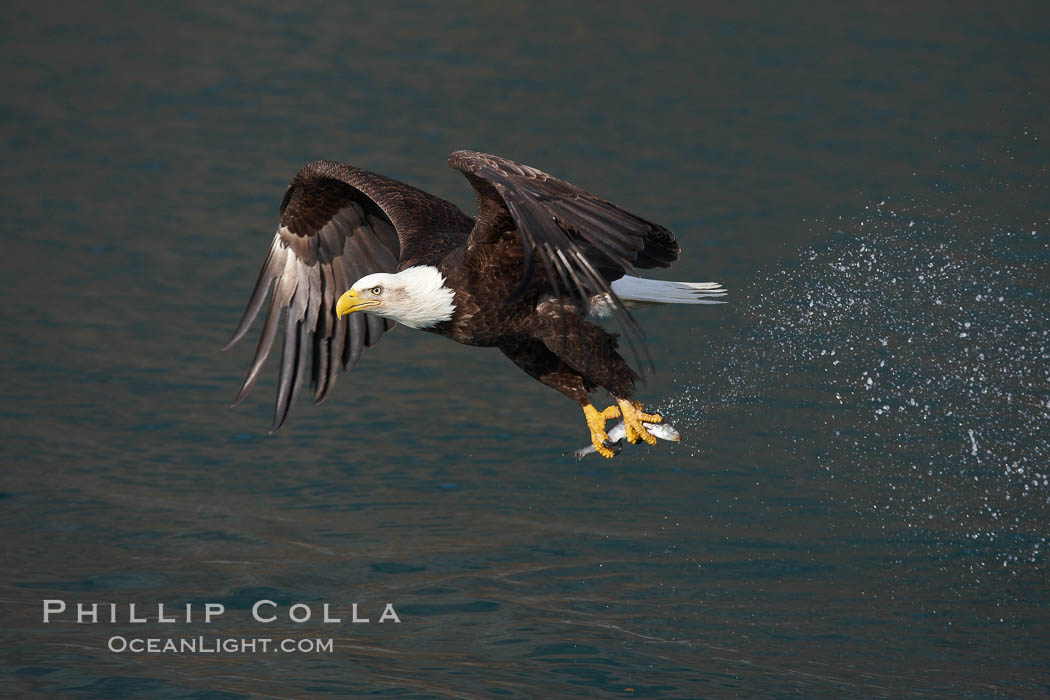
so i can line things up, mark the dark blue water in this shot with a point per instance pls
(860, 503)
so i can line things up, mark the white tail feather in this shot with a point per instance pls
(635, 291)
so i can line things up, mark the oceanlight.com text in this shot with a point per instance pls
(218, 645)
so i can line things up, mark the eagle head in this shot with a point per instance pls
(416, 297)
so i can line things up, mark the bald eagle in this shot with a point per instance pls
(526, 275)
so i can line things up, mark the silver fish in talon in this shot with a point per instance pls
(664, 431)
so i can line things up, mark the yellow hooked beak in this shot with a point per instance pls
(350, 302)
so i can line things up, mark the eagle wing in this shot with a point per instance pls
(338, 224)
(583, 242)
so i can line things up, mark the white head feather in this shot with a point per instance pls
(415, 297)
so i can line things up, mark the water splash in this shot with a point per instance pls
(917, 343)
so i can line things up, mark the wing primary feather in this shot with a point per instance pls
(530, 216)
(300, 368)
(527, 223)
(636, 342)
(550, 265)
(323, 334)
(274, 263)
(356, 340)
(376, 327)
(583, 294)
(335, 348)
(319, 367)
(355, 323)
(312, 312)
(283, 290)
(620, 255)
(632, 331)
(312, 321)
(313, 276)
(612, 227)
(294, 356)
(335, 354)
(289, 359)
(262, 350)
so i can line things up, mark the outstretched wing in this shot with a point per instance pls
(338, 224)
(583, 242)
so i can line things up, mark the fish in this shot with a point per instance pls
(664, 431)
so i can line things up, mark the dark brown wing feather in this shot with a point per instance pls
(338, 224)
(583, 242)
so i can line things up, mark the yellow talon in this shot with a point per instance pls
(596, 423)
(633, 416)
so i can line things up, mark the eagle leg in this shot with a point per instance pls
(633, 416)
(596, 422)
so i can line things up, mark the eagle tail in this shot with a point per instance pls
(635, 291)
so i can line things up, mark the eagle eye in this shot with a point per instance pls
(376, 291)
